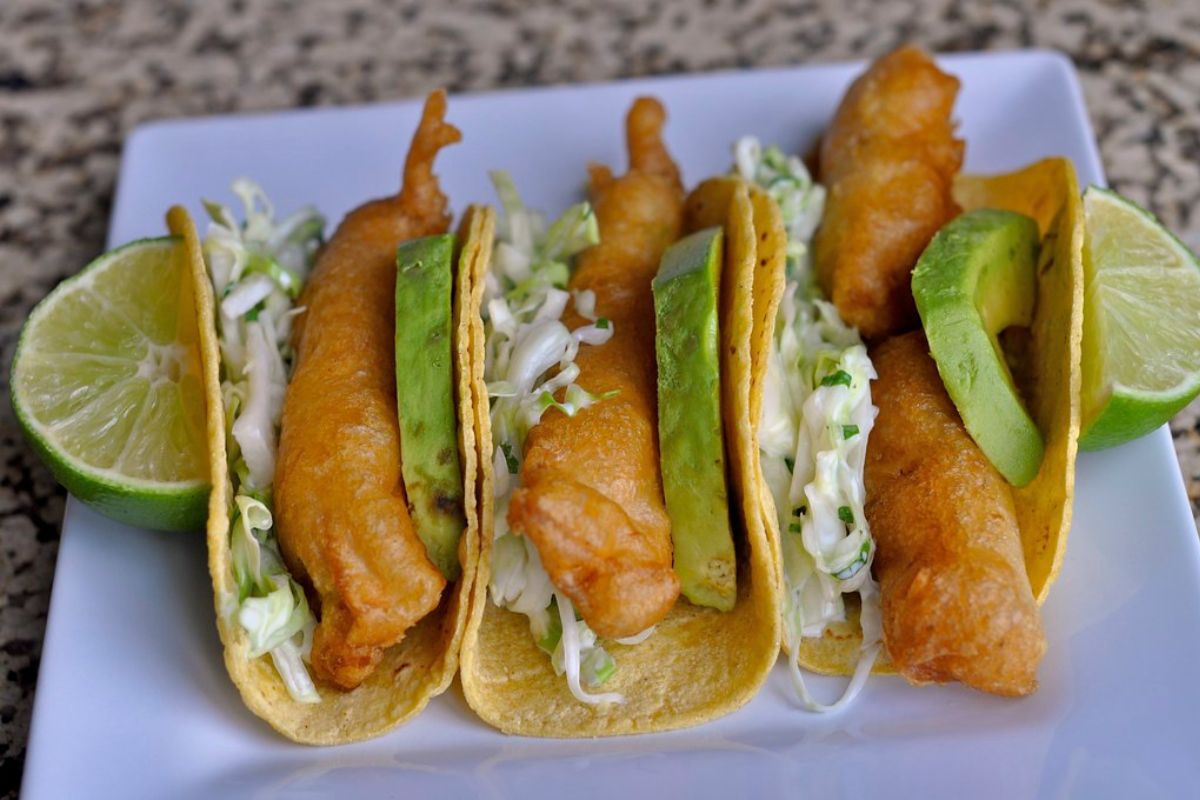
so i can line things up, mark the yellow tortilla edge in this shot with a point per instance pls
(698, 665)
(1047, 191)
(424, 663)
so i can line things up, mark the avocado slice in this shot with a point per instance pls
(429, 460)
(691, 445)
(976, 278)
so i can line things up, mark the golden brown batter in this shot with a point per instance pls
(888, 160)
(956, 599)
(340, 505)
(591, 497)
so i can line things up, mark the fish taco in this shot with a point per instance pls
(602, 415)
(342, 530)
(908, 539)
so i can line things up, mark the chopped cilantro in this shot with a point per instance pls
(858, 563)
(839, 378)
(846, 515)
(509, 458)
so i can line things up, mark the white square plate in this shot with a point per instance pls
(133, 700)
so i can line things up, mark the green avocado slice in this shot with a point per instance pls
(976, 278)
(691, 445)
(425, 401)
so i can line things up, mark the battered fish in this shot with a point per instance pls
(956, 600)
(591, 497)
(342, 515)
(888, 160)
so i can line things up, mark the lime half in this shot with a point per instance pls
(1141, 335)
(106, 385)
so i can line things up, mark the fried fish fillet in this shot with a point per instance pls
(956, 599)
(888, 160)
(591, 497)
(343, 519)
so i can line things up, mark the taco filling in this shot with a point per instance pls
(258, 269)
(352, 520)
(817, 416)
(529, 359)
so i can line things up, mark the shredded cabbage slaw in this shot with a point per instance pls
(530, 358)
(257, 269)
(816, 418)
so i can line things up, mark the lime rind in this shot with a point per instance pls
(1130, 414)
(178, 506)
(143, 502)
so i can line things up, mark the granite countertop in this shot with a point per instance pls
(76, 78)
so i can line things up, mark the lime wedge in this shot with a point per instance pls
(1141, 334)
(106, 386)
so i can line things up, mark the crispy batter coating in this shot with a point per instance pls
(591, 496)
(956, 600)
(340, 505)
(888, 160)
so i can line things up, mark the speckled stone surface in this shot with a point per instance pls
(76, 77)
